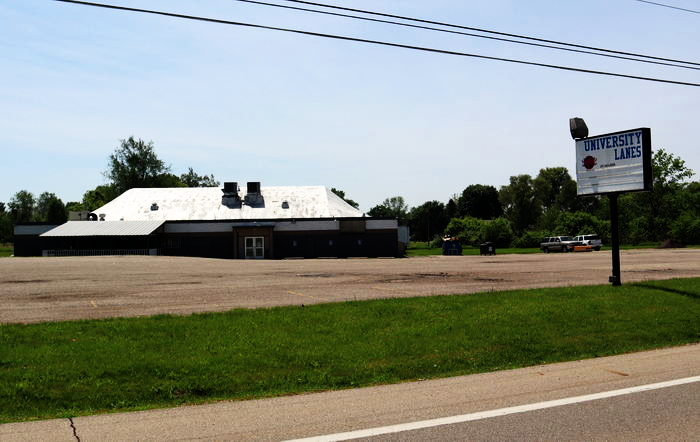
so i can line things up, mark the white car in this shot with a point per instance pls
(590, 240)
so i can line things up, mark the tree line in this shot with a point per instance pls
(518, 214)
(527, 209)
(134, 163)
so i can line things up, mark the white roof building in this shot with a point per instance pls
(205, 203)
(253, 223)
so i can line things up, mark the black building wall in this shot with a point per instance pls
(284, 244)
(335, 244)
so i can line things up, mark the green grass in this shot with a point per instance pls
(420, 248)
(85, 367)
(6, 250)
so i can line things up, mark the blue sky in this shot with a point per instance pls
(257, 105)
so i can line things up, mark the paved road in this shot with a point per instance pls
(671, 413)
(56, 289)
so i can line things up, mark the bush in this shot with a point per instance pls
(581, 223)
(468, 230)
(531, 239)
(436, 242)
(637, 231)
(498, 232)
(686, 229)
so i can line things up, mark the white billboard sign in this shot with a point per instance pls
(616, 162)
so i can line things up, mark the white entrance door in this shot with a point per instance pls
(254, 247)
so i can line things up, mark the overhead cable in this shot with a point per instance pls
(430, 28)
(488, 31)
(376, 42)
(669, 6)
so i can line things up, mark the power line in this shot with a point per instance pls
(430, 28)
(488, 31)
(376, 42)
(669, 6)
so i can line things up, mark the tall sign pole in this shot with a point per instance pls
(615, 238)
(612, 164)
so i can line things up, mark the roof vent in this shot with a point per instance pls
(253, 187)
(230, 187)
(154, 206)
(230, 197)
(285, 205)
(253, 197)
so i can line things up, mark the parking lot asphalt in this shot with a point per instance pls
(56, 289)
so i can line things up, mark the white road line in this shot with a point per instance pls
(494, 413)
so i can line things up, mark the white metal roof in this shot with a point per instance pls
(105, 228)
(204, 203)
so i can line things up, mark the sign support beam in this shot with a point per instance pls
(615, 238)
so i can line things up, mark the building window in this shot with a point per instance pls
(254, 247)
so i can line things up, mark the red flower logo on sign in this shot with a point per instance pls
(589, 162)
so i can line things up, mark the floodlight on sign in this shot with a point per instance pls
(578, 128)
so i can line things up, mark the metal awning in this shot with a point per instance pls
(105, 228)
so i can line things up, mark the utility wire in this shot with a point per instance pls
(376, 42)
(489, 31)
(669, 6)
(430, 28)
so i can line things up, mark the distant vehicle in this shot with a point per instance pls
(558, 244)
(592, 240)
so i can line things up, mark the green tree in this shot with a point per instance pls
(56, 213)
(50, 208)
(427, 220)
(555, 189)
(341, 194)
(531, 238)
(75, 206)
(651, 214)
(669, 170)
(5, 225)
(520, 204)
(581, 223)
(498, 232)
(467, 229)
(167, 180)
(99, 196)
(394, 207)
(451, 208)
(686, 229)
(192, 179)
(134, 164)
(480, 201)
(22, 206)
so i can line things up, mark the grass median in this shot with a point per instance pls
(6, 250)
(84, 367)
